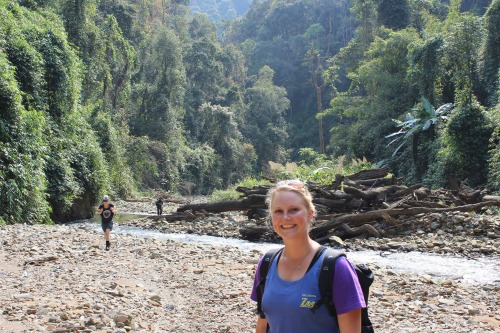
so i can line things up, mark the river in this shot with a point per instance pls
(453, 267)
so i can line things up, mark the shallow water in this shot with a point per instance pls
(472, 271)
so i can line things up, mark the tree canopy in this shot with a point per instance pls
(123, 97)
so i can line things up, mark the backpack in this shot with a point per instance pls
(364, 274)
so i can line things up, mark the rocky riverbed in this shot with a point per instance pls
(59, 279)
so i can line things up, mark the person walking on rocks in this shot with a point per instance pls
(159, 206)
(107, 211)
(291, 285)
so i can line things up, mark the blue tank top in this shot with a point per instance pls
(287, 304)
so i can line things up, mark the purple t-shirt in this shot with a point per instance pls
(287, 304)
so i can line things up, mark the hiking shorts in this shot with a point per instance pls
(107, 225)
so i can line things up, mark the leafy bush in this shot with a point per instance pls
(112, 140)
(464, 147)
(22, 182)
(143, 157)
(224, 195)
(316, 167)
(232, 194)
(494, 162)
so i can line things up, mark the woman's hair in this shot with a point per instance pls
(293, 185)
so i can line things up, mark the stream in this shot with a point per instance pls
(471, 271)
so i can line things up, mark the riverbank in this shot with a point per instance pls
(59, 279)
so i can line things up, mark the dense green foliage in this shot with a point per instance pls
(436, 58)
(491, 56)
(50, 156)
(123, 97)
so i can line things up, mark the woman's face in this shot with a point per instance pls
(290, 215)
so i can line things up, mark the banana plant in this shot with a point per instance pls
(419, 119)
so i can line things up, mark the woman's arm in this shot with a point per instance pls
(262, 325)
(350, 322)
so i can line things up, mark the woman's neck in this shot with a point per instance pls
(299, 248)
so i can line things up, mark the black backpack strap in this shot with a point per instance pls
(264, 269)
(326, 279)
(365, 277)
(316, 257)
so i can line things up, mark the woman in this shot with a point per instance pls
(292, 281)
(107, 211)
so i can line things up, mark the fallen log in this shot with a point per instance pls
(330, 203)
(345, 231)
(261, 189)
(405, 191)
(332, 195)
(376, 194)
(425, 204)
(362, 218)
(491, 198)
(252, 201)
(337, 206)
(374, 182)
(369, 174)
(253, 232)
(470, 197)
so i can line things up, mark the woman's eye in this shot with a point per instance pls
(278, 211)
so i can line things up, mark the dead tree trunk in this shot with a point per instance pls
(252, 201)
(362, 218)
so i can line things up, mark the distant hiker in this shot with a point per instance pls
(107, 211)
(159, 206)
(291, 289)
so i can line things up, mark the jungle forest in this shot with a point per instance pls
(122, 97)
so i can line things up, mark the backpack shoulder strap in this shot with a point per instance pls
(365, 277)
(326, 279)
(264, 269)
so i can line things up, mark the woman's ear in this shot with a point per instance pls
(310, 216)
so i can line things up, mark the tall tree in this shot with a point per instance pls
(462, 56)
(491, 56)
(464, 147)
(159, 92)
(315, 63)
(264, 119)
(217, 128)
(379, 92)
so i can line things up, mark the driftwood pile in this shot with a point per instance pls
(351, 205)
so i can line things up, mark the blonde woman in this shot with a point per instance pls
(291, 286)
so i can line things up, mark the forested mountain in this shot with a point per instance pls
(366, 78)
(123, 96)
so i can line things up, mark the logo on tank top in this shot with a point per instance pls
(106, 214)
(308, 301)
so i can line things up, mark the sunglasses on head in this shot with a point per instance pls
(295, 183)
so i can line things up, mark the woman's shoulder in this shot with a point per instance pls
(344, 268)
